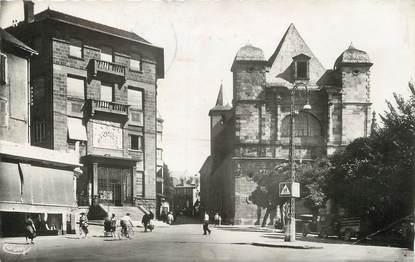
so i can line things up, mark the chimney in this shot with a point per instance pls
(29, 16)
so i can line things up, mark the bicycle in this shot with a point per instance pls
(129, 234)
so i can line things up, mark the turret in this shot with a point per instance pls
(353, 65)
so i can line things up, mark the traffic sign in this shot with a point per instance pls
(289, 189)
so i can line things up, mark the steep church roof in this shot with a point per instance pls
(219, 102)
(292, 45)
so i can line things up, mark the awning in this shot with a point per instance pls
(47, 186)
(10, 182)
(76, 130)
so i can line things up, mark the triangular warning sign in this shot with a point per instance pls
(285, 190)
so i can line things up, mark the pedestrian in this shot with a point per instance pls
(146, 220)
(83, 225)
(113, 225)
(170, 218)
(216, 218)
(206, 224)
(30, 230)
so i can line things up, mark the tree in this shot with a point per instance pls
(310, 175)
(373, 177)
(168, 184)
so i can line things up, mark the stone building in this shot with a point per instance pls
(34, 182)
(95, 88)
(161, 200)
(253, 135)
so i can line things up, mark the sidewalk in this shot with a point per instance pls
(277, 241)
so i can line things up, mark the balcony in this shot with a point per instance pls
(95, 106)
(107, 69)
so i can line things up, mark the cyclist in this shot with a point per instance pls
(125, 223)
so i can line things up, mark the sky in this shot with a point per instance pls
(201, 37)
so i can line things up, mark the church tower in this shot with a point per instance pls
(249, 80)
(353, 68)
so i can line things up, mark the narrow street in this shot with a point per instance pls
(185, 242)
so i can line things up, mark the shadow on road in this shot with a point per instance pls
(185, 220)
(243, 229)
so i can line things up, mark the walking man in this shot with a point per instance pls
(206, 224)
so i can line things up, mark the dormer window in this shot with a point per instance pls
(301, 67)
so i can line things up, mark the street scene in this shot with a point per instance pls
(207, 130)
(184, 242)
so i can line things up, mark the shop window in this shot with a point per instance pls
(75, 48)
(75, 87)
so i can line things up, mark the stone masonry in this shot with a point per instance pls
(253, 135)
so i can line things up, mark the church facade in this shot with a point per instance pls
(253, 134)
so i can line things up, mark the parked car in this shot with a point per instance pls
(329, 225)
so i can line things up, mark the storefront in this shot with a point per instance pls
(110, 180)
(34, 184)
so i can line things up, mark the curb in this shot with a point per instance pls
(282, 245)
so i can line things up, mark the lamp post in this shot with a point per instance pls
(291, 229)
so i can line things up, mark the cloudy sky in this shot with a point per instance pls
(201, 38)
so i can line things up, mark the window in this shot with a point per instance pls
(136, 118)
(75, 87)
(159, 139)
(139, 182)
(106, 54)
(39, 130)
(135, 98)
(302, 69)
(3, 112)
(107, 91)
(135, 63)
(75, 48)
(159, 154)
(305, 125)
(3, 69)
(76, 130)
(136, 142)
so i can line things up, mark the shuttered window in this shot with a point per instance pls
(3, 69)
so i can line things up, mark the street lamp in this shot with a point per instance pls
(291, 229)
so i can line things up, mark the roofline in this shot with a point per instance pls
(159, 49)
(353, 63)
(21, 46)
(97, 30)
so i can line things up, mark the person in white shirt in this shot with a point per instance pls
(125, 221)
(206, 224)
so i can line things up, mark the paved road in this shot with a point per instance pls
(186, 243)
